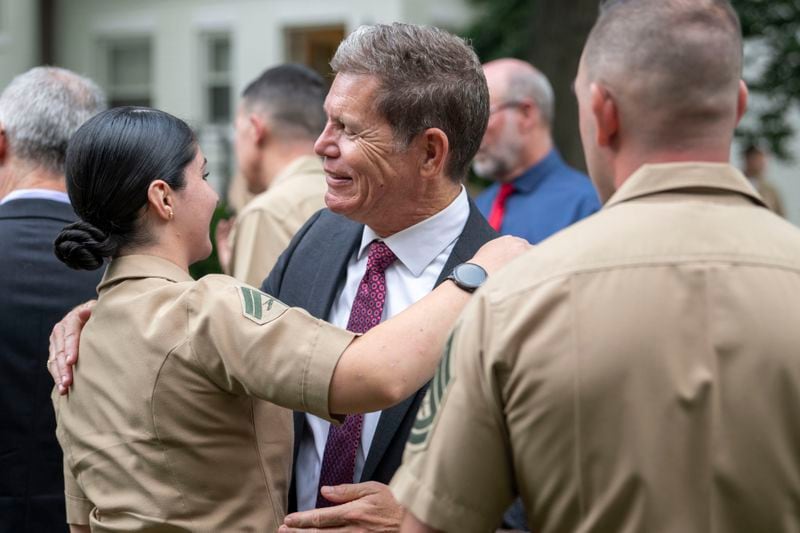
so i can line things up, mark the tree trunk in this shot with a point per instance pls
(558, 32)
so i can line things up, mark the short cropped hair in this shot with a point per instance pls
(687, 53)
(293, 96)
(428, 78)
(41, 109)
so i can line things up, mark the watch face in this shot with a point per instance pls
(470, 275)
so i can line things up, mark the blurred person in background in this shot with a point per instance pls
(535, 193)
(279, 117)
(755, 168)
(39, 111)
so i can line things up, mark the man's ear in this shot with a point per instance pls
(605, 112)
(741, 101)
(260, 128)
(435, 150)
(530, 114)
(161, 199)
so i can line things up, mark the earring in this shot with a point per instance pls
(171, 214)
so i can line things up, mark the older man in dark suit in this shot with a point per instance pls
(406, 113)
(39, 111)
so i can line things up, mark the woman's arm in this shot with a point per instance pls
(395, 358)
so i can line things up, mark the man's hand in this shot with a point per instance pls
(64, 340)
(224, 246)
(366, 506)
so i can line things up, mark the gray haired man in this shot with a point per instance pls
(535, 193)
(406, 113)
(39, 111)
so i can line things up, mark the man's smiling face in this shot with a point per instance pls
(370, 175)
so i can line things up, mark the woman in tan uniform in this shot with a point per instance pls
(166, 427)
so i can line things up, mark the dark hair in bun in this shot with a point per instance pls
(111, 161)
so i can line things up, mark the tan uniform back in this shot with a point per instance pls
(268, 222)
(638, 372)
(162, 430)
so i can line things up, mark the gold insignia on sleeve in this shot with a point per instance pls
(260, 307)
(434, 398)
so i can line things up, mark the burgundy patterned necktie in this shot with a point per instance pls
(339, 459)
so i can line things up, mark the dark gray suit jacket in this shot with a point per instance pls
(310, 273)
(36, 291)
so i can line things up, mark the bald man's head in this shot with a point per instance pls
(518, 134)
(515, 80)
(674, 66)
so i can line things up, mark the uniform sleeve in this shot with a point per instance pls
(456, 473)
(78, 506)
(252, 344)
(258, 240)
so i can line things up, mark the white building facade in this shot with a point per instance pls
(193, 58)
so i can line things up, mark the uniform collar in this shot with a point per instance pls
(142, 266)
(416, 247)
(672, 177)
(530, 179)
(306, 164)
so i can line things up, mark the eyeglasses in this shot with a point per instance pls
(505, 105)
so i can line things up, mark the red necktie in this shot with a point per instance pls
(499, 206)
(339, 459)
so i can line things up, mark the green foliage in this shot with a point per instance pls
(211, 264)
(502, 29)
(775, 25)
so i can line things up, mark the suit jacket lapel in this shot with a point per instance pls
(476, 232)
(336, 248)
(341, 239)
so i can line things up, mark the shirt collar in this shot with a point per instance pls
(306, 164)
(36, 194)
(416, 247)
(142, 266)
(672, 177)
(530, 179)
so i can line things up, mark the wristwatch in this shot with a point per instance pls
(468, 276)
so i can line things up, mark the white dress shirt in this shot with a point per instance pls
(422, 251)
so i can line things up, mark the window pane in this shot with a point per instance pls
(129, 64)
(219, 102)
(220, 55)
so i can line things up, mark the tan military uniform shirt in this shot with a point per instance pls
(266, 225)
(769, 193)
(637, 372)
(163, 426)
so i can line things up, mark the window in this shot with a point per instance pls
(127, 66)
(314, 47)
(218, 93)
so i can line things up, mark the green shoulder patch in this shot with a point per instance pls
(260, 307)
(431, 404)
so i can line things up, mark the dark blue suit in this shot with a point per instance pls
(36, 291)
(309, 274)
